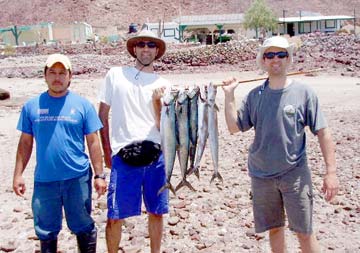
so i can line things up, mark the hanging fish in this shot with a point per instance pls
(183, 131)
(168, 135)
(202, 130)
(193, 96)
(213, 130)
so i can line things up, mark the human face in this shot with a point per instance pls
(278, 64)
(145, 53)
(58, 79)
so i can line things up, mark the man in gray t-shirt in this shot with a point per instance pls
(279, 110)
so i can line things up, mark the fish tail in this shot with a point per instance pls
(194, 170)
(218, 176)
(184, 182)
(167, 186)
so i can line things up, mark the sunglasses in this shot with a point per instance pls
(149, 44)
(271, 55)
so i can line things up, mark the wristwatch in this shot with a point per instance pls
(102, 176)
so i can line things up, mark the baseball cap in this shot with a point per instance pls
(63, 59)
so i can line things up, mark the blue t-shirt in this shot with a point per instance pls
(59, 126)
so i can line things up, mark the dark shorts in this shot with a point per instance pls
(130, 184)
(290, 193)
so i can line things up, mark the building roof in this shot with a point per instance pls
(195, 20)
(313, 18)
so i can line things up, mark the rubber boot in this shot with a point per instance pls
(48, 246)
(87, 242)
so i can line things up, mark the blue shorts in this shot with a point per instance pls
(290, 194)
(50, 197)
(129, 184)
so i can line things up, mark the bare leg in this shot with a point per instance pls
(113, 235)
(308, 243)
(277, 240)
(155, 232)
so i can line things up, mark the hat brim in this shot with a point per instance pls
(160, 44)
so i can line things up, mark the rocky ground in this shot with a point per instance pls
(218, 216)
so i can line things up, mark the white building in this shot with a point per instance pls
(168, 31)
(307, 24)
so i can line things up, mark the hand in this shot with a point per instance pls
(158, 93)
(330, 186)
(19, 186)
(229, 85)
(100, 186)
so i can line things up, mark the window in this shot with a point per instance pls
(330, 23)
(169, 32)
(304, 27)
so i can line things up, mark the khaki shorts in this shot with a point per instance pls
(290, 193)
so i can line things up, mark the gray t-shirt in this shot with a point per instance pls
(279, 118)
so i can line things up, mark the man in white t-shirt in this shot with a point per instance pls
(133, 151)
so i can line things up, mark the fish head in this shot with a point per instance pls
(203, 92)
(212, 90)
(182, 96)
(169, 96)
(194, 91)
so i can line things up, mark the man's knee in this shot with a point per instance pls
(155, 216)
(304, 237)
(276, 230)
(110, 223)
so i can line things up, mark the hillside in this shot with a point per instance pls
(122, 12)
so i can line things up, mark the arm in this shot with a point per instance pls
(96, 160)
(156, 100)
(331, 182)
(230, 105)
(104, 133)
(23, 155)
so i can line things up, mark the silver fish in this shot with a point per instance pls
(183, 127)
(193, 96)
(203, 132)
(168, 135)
(213, 131)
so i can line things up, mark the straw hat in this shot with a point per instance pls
(146, 35)
(54, 58)
(276, 41)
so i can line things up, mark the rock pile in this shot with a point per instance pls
(334, 52)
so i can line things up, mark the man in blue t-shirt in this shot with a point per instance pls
(60, 120)
(279, 110)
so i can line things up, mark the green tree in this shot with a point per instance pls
(260, 17)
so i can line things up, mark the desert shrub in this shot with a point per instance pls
(340, 31)
(9, 50)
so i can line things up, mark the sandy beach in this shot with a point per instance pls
(217, 217)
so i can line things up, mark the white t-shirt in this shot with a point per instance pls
(130, 99)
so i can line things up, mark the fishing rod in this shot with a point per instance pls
(263, 78)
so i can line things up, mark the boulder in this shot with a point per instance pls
(4, 94)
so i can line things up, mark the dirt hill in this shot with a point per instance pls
(122, 12)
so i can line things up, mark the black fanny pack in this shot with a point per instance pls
(140, 153)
